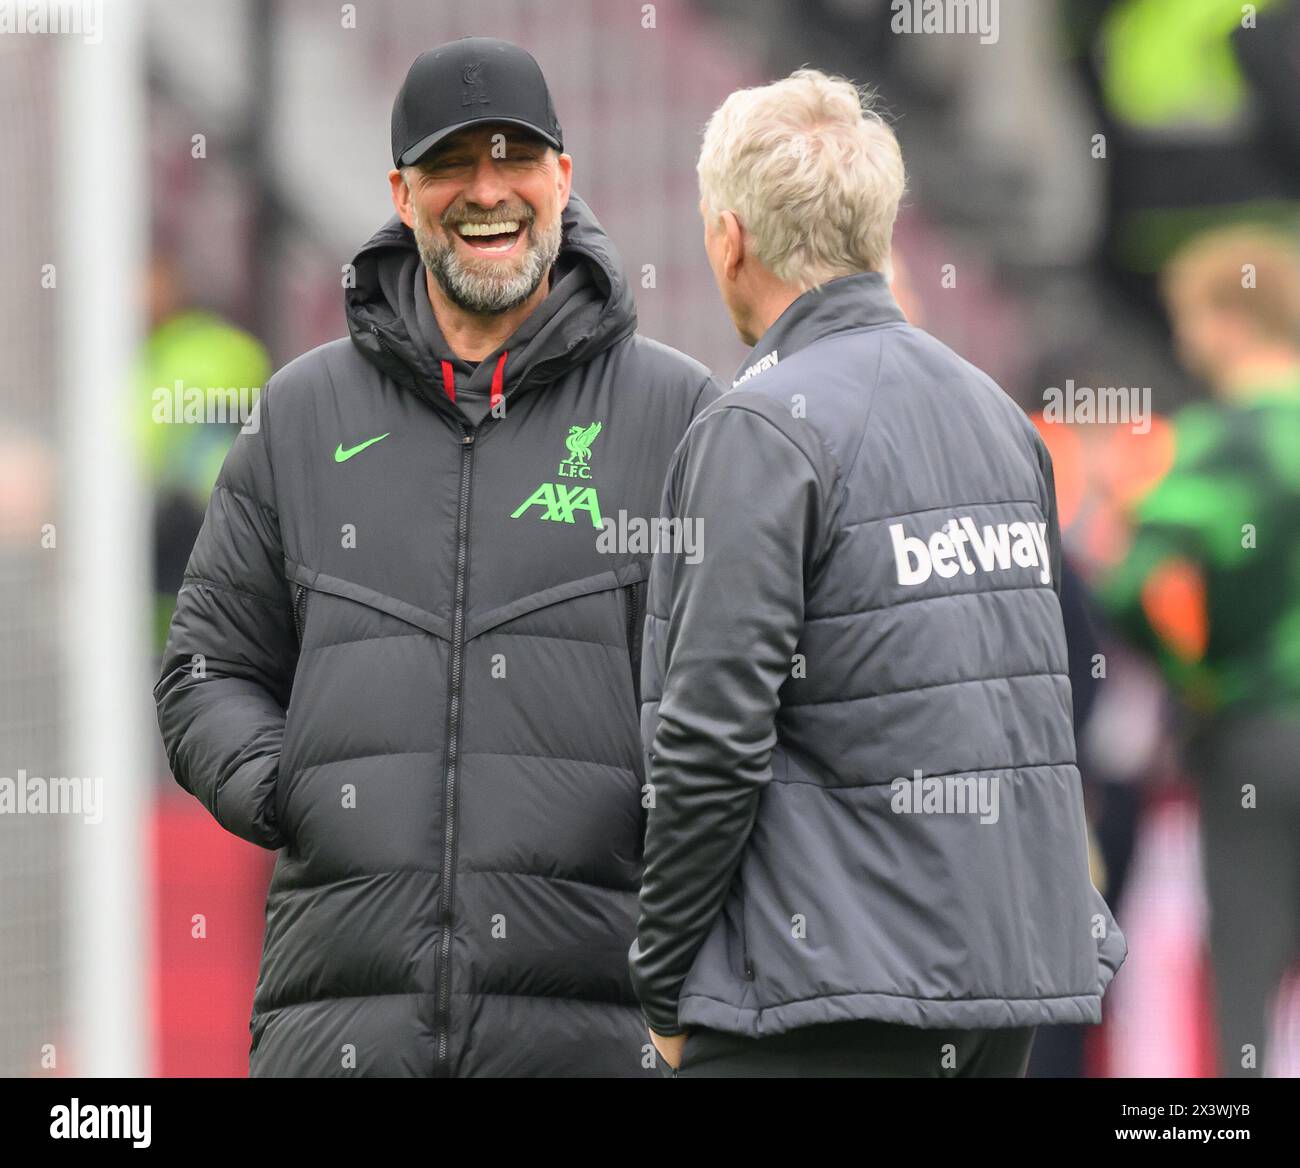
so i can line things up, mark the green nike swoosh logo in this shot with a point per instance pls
(341, 455)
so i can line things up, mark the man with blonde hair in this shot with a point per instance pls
(866, 852)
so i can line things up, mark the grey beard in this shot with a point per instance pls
(483, 293)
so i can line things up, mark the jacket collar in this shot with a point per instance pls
(849, 302)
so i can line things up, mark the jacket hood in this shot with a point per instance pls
(580, 318)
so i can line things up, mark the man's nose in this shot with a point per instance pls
(487, 186)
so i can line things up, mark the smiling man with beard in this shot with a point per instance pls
(509, 276)
(400, 657)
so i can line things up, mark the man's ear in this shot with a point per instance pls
(733, 248)
(401, 197)
(565, 178)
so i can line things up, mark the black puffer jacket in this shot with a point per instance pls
(400, 657)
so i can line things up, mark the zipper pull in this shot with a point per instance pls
(467, 440)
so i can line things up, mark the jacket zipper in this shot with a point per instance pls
(633, 641)
(443, 998)
(442, 987)
(300, 610)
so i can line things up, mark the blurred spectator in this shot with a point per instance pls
(1211, 588)
(1194, 98)
(191, 349)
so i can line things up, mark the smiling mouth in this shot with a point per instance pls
(491, 238)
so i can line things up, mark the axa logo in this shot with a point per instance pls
(560, 502)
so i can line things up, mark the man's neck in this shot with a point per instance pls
(772, 297)
(472, 336)
(769, 307)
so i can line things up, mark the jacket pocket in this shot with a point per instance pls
(288, 747)
(745, 963)
(631, 594)
(301, 597)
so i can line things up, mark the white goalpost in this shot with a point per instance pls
(100, 197)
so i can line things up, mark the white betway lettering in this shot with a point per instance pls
(997, 547)
(758, 367)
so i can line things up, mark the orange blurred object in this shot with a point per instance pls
(1102, 472)
(1173, 599)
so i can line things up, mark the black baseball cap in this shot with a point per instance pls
(466, 83)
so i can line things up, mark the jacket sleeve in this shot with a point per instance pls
(231, 651)
(733, 620)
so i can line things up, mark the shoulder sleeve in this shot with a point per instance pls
(731, 623)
